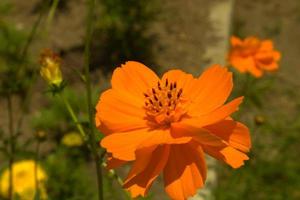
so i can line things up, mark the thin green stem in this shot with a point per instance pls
(92, 137)
(112, 174)
(73, 116)
(51, 13)
(31, 36)
(11, 145)
(37, 152)
(23, 55)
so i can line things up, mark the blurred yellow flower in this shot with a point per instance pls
(50, 67)
(24, 180)
(72, 139)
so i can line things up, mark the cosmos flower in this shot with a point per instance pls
(167, 125)
(50, 67)
(253, 55)
(24, 180)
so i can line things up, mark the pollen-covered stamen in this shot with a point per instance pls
(163, 101)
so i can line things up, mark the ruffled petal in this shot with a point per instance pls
(266, 45)
(146, 168)
(222, 140)
(185, 171)
(117, 112)
(228, 154)
(267, 60)
(113, 163)
(184, 80)
(214, 116)
(276, 55)
(165, 136)
(134, 78)
(200, 135)
(255, 71)
(143, 157)
(243, 63)
(235, 41)
(215, 85)
(123, 145)
(236, 134)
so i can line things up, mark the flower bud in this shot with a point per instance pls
(259, 120)
(72, 139)
(41, 135)
(50, 67)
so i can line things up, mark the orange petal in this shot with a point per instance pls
(215, 86)
(123, 145)
(143, 157)
(184, 80)
(215, 116)
(255, 71)
(235, 41)
(272, 66)
(276, 55)
(200, 135)
(240, 63)
(133, 78)
(229, 155)
(266, 45)
(113, 163)
(164, 136)
(235, 133)
(145, 171)
(118, 112)
(267, 60)
(243, 63)
(185, 171)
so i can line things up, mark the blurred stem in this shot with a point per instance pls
(11, 145)
(119, 180)
(31, 37)
(24, 52)
(37, 152)
(51, 13)
(74, 117)
(115, 176)
(92, 137)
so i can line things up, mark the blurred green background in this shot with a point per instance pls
(161, 34)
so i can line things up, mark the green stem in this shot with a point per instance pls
(31, 36)
(23, 55)
(11, 145)
(74, 117)
(51, 13)
(92, 137)
(37, 151)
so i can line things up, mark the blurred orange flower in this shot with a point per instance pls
(253, 55)
(166, 125)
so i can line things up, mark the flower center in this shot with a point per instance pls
(164, 103)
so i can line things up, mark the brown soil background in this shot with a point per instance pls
(184, 33)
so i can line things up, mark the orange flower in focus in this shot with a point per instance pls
(253, 55)
(166, 125)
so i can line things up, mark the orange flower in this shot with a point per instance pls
(253, 55)
(166, 125)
